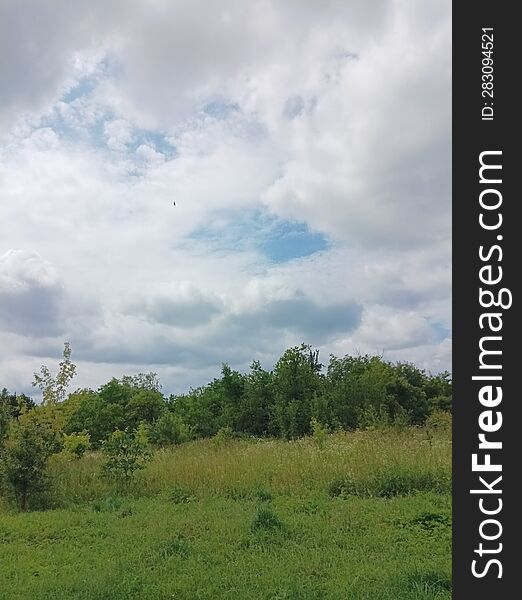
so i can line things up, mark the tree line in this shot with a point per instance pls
(289, 401)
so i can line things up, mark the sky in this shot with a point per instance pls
(187, 182)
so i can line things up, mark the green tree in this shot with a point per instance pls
(23, 461)
(168, 429)
(200, 409)
(145, 406)
(116, 392)
(296, 379)
(142, 381)
(231, 388)
(357, 386)
(96, 415)
(256, 401)
(54, 388)
(125, 453)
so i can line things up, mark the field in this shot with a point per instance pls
(364, 515)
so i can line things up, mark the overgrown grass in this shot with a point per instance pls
(244, 520)
(383, 463)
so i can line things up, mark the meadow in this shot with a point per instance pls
(355, 515)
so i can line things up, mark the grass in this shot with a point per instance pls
(244, 520)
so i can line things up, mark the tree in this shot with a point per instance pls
(15, 404)
(257, 398)
(55, 388)
(23, 460)
(145, 406)
(125, 453)
(357, 386)
(96, 415)
(231, 387)
(11, 407)
(169, 428)
(296, 379)
(142, 381)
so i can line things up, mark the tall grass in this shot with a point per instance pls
(371, 463)
(359, 516)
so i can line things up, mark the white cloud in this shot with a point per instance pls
(337, 116)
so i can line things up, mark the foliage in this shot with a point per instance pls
(296, 379)
(142, 381)
(23, 461)
(255, 403)
(319, 433)
(125, 453)
(223, 436)
(76, 444)
(144, 406)
(439, 422)
(169, 428)
(55, 388)
(354, 392)
(15, 404)
(96, 416)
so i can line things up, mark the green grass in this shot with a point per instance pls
(243, 520)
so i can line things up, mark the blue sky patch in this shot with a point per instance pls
(154, 139)
(441, 332)
(277, 239)
(84, 87)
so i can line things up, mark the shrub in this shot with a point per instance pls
(439, 421)
(371, 418)
(169, 429)
(319, 433)
(24, 459)
(125, 453)
(390, 482)
(76, 444)
(223, 436)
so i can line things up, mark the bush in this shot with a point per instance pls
(406, 481)
(223, 436)
(112, 504)
(439, 421)
(125, 453)
(23, 461)
(76, 444)
(371, 418)
(169, 429)
(319, 433)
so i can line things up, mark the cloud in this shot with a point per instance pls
(306, 149)
(30, 295)
(300, 315)
(185, 307)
